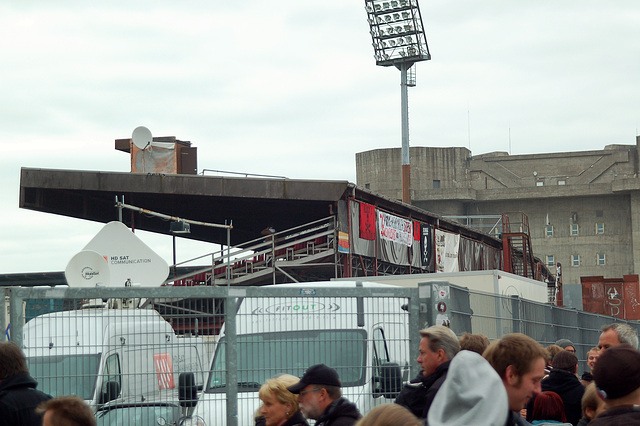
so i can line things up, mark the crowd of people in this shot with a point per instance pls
(513, 381)
(21, 404)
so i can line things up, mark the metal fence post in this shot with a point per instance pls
(3, 316)
(416, 322)
(231, 309)
(515, 313)
(16, 318)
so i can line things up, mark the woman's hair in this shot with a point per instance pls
(548, 406)
(590, 399)
(552, 351)
(276, 387)
(474, 342)
(389, 415)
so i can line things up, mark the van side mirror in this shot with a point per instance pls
(187, 390)
(111, 392)
(390, 380)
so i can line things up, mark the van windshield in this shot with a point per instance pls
(262, 356)
(65, 374)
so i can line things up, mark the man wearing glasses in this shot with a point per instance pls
(320, 398)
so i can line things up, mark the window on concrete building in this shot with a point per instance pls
(600, 228)
(575, 260)
(575, 229)
(601, 259)
(540, 183)
(367, 185)
(562, 182)
(549, 231)
(436, 184)
(551, 261)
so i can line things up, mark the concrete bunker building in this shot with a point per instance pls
(583, 207)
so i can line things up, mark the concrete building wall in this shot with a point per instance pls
(582, 189)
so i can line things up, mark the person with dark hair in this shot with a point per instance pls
(320, 398)
(66, 411)
(519, 361)
(18, 394)
(474, 342)
(548, 410)
(564, 381)
(617, 378)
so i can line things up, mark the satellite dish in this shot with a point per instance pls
(128, 257)
(87, 269)
(141, 137)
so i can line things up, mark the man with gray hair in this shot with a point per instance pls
(616, 334)
(438, 346)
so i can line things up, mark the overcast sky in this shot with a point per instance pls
(291, 88)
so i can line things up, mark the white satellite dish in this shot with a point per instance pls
(141, 137)
(87, 269)
(128, 257)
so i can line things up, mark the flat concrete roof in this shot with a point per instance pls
(252, 204)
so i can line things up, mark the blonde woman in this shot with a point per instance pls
(279, 406)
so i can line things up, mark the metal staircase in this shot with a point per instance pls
(516, 246)
(304, 253)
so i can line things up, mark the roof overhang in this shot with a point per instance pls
(251, 204)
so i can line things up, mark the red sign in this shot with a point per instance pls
(164, 371)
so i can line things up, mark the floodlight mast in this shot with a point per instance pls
(399, 39)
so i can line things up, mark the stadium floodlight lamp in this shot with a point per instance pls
(399, 40)
(390, 21)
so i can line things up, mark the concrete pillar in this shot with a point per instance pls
(635, 230)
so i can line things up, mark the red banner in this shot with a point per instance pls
(416, 231)
(367, 221)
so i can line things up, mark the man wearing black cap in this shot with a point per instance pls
(617, 377)
(320, 398)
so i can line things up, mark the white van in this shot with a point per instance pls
(366, 339)
(106, 354)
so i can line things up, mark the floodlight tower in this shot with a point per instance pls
(399, 40)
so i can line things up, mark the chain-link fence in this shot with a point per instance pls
(125, 350)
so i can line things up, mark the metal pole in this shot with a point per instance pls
(175, 273)
(3, 314)
(228, 254)
(273, 256)
(230, 322)
(404, 100)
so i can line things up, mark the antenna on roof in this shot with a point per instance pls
(141, 137)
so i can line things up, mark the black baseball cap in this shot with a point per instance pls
(318, 374)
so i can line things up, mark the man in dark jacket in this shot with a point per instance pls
(18, 395)
(563, 380)
(438, 346)
(321, 399)
(617, 377)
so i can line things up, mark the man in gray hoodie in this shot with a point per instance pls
(472, 394)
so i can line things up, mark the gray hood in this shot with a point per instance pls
(472, 394)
